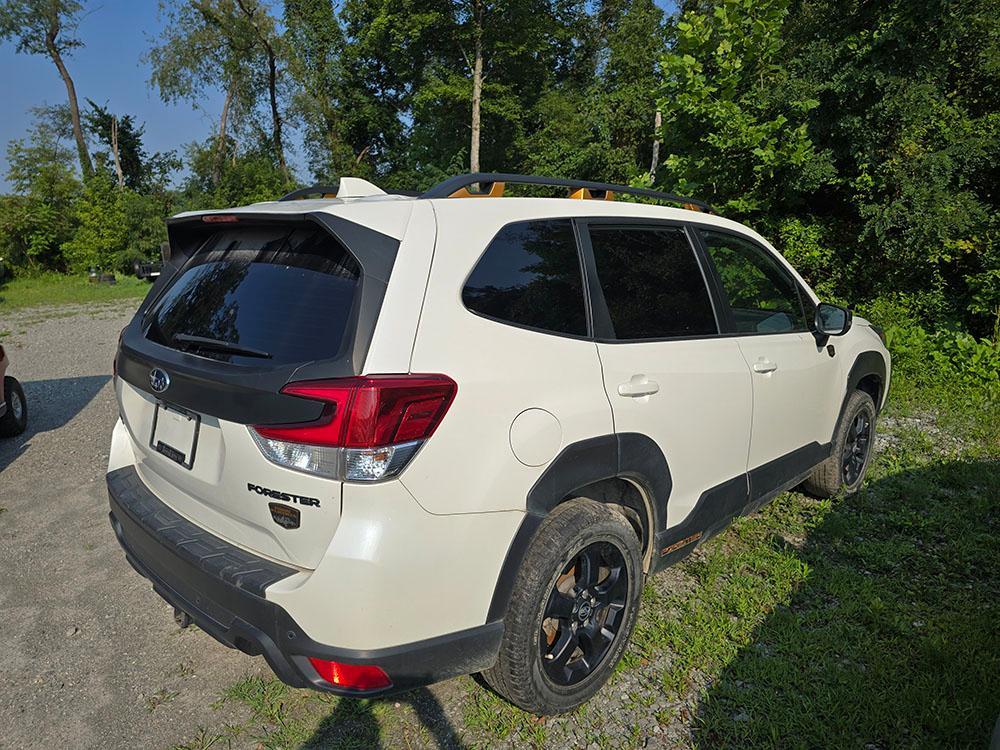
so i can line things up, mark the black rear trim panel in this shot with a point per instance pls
(250, 394)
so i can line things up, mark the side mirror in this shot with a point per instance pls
(832, 320)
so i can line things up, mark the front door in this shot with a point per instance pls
(668, 373)
(794, 378)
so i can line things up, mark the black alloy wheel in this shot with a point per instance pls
(856, 447)
(572, 608)
(584, 613)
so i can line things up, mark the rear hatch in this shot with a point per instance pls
(253, 302)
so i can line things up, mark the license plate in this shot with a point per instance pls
(175, 434)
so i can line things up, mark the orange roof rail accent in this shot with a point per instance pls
(495, 191)
(587, 194)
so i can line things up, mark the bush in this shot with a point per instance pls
(951, 359)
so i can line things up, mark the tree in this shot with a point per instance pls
(123, 139)
(269, 42)
(46, 27)
(248, 176)
(210, 43)
(38, 217)
(907, 106)
(314, 47)
(101, 237)
(490, 65)
(597, 122)
(388, 49)
(734, 131)
(134, 168)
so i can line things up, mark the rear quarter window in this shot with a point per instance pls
(285, 291)
(530, 276)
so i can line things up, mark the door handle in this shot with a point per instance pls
(764, 365)
(638, 386)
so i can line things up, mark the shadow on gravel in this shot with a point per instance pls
(353, 724)
(51, 404)
(893, 638)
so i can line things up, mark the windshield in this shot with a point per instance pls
(286, 291)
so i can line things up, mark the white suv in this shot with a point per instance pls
(385, 440)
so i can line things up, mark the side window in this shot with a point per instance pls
(652, 283)
(763, 295)
(530, 276)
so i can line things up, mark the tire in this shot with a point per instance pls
(834, 474)
(598, 611)
(15, 420)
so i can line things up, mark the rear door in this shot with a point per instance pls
(794, 379)
(667, 371)
(256, 305)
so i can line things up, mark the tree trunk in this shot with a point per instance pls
(272, 86)
(272, 80)
(477, 87)
(220, 144)
(657, 124)
(86, 168)
(114, 153)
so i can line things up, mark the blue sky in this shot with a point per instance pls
(110, 70)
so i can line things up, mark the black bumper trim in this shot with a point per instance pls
(221, 587)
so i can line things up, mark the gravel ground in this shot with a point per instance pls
(90, 656)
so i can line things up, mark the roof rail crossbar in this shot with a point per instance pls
(456, 184)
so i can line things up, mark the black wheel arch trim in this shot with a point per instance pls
(865, 364)
(638, 458)
(627, 455)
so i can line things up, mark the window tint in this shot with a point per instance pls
(280, 290)
(763, 295)
(651, 282)
(530, 275)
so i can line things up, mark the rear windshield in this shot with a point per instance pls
(277, 295)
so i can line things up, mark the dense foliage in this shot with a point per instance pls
(863, 138)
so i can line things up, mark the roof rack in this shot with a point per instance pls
(492, 185)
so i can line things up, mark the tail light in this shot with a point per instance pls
(353, 676)
(370, 428)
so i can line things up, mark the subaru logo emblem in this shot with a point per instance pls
(159, 380)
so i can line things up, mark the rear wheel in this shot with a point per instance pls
(16, 419)
(851, 451)
(573, 609)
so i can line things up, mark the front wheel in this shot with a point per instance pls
(16, 419)
(850, 453)
(573, 609)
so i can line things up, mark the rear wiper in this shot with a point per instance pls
(202, 342)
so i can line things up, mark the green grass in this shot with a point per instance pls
(60, 289)
(880, 630)
(871, 621)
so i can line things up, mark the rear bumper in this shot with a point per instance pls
(221, 587)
